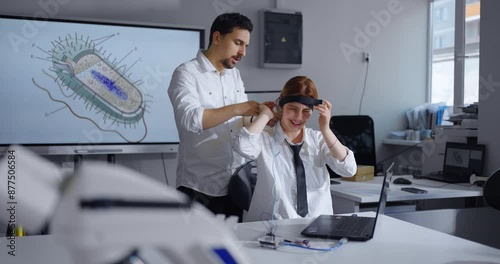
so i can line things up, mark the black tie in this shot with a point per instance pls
(302, 209)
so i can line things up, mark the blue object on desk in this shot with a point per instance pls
(440, 112)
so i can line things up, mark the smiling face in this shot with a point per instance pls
(230, 48)
(295, 115)
(294, 118)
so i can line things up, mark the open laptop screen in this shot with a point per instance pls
(463, 159)
(385, 189)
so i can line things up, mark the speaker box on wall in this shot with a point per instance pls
(281, 38)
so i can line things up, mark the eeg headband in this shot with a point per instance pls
(307, 101)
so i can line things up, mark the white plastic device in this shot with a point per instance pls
(106, 213)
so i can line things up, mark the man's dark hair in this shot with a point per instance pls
(225, 23)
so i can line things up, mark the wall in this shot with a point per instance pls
(397, 43)
(489, 84)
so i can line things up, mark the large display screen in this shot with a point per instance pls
(90, 86)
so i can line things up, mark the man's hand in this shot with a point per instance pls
(216, 116)
(248, 108)
(269, 104)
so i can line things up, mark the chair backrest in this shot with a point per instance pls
(242, 184)
(357, 132)
(491, 190)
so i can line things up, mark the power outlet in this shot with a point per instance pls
(366, 56)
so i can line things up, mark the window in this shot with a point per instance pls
(454, 73)
(441, 14)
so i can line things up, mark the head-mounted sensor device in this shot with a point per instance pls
(307, 101)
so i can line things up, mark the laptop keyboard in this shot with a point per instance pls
(447, 177)
(351, 226)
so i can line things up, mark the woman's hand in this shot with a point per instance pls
(259, 123)
(265, 109)
(277, 115)
(325, 112)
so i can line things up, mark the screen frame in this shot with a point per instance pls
(476, 168)
(105, 148)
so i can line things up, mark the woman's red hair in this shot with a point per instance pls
(300, 85)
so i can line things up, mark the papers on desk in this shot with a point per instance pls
(422, 121)
(427, 116)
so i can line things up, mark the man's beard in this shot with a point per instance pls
(227, 62)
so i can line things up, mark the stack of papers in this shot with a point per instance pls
(427, 116)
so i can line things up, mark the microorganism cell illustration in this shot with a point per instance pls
(106, 94)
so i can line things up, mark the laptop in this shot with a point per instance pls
(357, 228)
(460, 162)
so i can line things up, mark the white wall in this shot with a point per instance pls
(397, 73)
(489, 84)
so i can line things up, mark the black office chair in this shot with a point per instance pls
(242, 184)
(357, 132)
(491, 190)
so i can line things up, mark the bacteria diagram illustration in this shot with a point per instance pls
(94, 86)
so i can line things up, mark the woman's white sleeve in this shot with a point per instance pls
(248, 145)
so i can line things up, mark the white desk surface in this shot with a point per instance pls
(395, 241)
(369, 191)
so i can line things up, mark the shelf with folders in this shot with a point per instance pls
(401, 142)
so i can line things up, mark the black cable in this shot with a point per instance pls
(364, 87)
(394, 155)
(164, 169)
(111, 159)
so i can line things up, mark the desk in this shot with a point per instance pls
(395, 241)
(348, 196)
